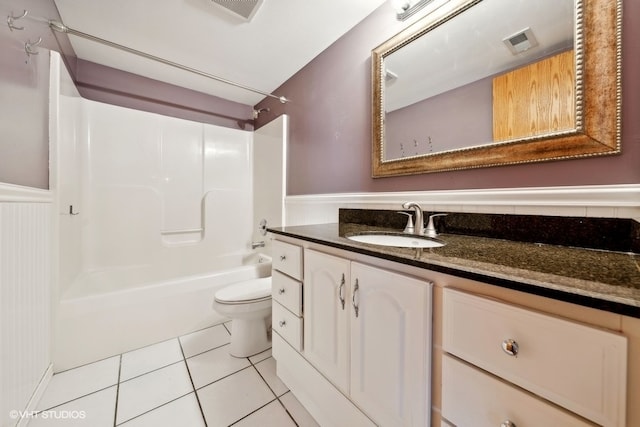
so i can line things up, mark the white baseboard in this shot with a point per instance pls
(604, 201)
(36, 396)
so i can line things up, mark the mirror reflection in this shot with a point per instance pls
(500, 71)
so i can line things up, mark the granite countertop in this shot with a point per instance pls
(601, 279)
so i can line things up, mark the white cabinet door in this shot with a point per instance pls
(390, 346)
(326, 307)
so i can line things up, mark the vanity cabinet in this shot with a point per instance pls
(501, 361)
(365, 358)
(286, 291)
(327, 308)
(368, 331)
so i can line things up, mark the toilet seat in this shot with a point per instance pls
(246, 292)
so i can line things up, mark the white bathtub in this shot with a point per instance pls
(110, 312)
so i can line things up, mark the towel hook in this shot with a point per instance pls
(11, 19)
(28, 47)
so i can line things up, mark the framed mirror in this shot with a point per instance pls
(480, 83)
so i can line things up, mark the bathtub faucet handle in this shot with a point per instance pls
(259, 244)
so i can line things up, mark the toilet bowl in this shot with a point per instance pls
(248, 305)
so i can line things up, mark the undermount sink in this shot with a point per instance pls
(398, 240)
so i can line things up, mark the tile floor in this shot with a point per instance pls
(187, 381)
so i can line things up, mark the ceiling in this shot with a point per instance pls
(281, 38)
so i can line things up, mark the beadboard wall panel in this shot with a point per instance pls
(25, 303)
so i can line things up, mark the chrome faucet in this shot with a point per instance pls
(255, 245)
(431, 229)
(418, 227)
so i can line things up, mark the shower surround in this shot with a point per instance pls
(149, 202)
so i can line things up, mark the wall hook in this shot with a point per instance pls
(29, 47)
(11, 19)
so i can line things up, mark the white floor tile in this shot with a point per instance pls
(183, 412)
(267, 369)
(93, 410)
(147, 359)
(151, 390)
(78, 382)
(297, 411)
(208, 367)
(272, 415)
(260, 356)
(204, 340)
(232, 398)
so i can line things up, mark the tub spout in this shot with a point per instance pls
(255, 245)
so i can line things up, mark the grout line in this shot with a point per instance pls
(195, 392)
(88, 363)
(157, 407)
(225, 326)
(252, 412)
(287, 409)
(221, 378)
(115, 414)
(153, 370)
(77, 398)
(203, 352)
(265, 381)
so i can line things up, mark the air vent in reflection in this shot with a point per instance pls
(244, 9)
(521, 41)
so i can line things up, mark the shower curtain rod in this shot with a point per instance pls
(62, 28)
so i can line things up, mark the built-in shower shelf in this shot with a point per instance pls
(181, 237)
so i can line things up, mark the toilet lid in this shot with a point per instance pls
(247, 291)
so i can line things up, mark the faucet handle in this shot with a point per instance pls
(430, 231)
(409, 228)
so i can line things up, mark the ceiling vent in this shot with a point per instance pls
(244, 9)
(521, 41)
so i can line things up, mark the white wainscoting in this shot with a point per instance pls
(25, 297)
(605, 201)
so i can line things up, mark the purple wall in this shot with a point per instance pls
(454, 119)
(330, 133)
(104, 84)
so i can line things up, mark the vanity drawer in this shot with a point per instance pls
(287, 258)
(287, 292)
(470, 397)
(575, 366)
(287, 325)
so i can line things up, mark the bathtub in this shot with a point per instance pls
(111, 312)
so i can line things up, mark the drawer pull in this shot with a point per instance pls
(341, 291)
(508, 423)
(282, 323)
(283, 257)
(353, 299)
(510, 347)
(281, 291)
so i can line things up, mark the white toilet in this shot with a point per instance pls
(248, 305)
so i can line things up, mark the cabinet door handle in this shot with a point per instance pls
(341, 291)
(510, 347)
(508, 423)
(283, 257)
(282, 323)
(353, 299)
(281, 291)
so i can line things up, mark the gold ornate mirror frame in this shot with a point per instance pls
(598, 100)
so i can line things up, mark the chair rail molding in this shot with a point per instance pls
(22, 194)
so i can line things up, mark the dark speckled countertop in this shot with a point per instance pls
(600, 279)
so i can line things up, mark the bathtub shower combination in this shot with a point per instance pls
(156, 215)
(95, 322)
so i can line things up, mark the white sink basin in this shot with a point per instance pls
(396, 240)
